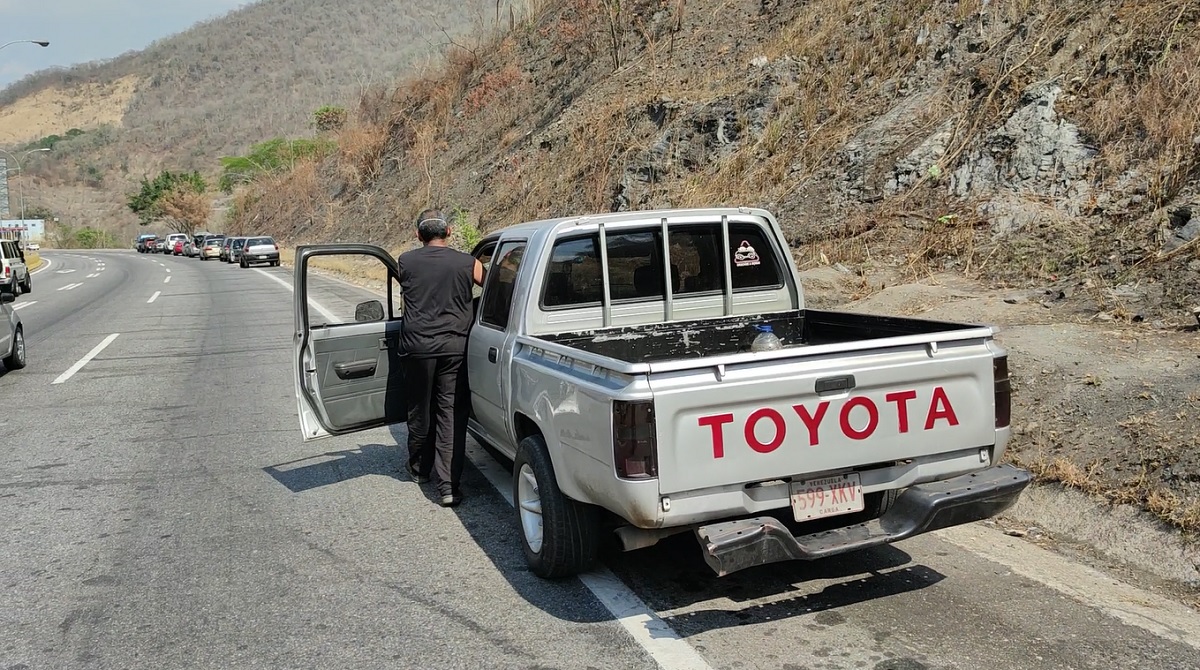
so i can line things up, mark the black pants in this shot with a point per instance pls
(438, 404)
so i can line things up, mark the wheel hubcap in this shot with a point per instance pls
(530, 502)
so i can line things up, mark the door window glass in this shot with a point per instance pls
(501, 279)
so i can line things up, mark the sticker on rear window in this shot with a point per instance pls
(745, 255)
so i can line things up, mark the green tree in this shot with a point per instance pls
(174, 197)
(92, 238)
(466, 234)
(39, 212)
(270, 157)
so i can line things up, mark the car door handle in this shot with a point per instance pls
(355, 369)
(492, 353)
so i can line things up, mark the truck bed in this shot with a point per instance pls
(731, 335)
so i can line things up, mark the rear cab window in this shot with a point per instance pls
(636, 264)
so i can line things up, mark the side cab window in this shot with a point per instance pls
(496, 306)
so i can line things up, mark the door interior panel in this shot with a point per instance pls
(360, 375)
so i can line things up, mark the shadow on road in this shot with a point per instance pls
(669, 576)
(484, 514)
(333, 467)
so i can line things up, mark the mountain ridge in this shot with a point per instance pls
(215, 89)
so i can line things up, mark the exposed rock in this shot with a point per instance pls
(1035, 152)
(921, 162)
(1185, 234)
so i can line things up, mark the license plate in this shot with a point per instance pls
(828, 496)
(262, 255)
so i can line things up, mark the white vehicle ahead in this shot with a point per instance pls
(613, 360)
(259, 250)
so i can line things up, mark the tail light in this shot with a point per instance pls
(276, 247)
(635, 451)
(1003, 391)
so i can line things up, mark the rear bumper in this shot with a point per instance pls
(265, 258)
(736, 545)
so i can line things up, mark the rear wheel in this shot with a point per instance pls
(28, 284)
(16, 358)
(560, 536)
(244, 264)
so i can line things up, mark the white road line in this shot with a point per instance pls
(100, 269)
(167, 280)
(84, 361)
(642, 623)
(1130, 605)
(168, 269)
(63, 272)
(316, 305)
(154, 297)
(45, 264)
(94, 274)
(23, 305)
(69, 287)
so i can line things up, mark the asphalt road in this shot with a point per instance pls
(160, 511)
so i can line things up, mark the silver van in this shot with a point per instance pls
(14, 275)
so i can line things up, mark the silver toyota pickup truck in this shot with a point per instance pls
(613, 361)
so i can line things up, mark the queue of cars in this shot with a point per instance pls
(245, 250)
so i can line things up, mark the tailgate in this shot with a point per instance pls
(767, 420)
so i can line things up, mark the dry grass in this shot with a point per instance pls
(1155, 439)
(1158, 500)
(33, 260)
(349, 268)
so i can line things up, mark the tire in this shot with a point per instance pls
(28, 284)
(570, 531)
(244, 264)
(16, 358)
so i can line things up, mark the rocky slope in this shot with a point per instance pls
(1017, 141)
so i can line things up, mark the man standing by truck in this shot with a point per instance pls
(436, 282)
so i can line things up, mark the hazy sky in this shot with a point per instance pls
(86, 30)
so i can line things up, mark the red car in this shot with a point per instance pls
(178, 248)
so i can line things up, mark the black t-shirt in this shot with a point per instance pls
(436, 282)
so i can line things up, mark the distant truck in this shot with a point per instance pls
(145, 243)
(611, 361)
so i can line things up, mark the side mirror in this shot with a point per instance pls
(371, 310)
(8, 297)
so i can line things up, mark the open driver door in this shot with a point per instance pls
(349, 372)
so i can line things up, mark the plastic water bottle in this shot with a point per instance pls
(766, 340)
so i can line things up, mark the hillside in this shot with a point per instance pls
(254, 74)
(999, 137)
(1004, 161)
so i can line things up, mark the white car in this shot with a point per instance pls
(33, 247)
